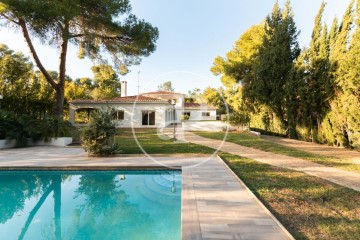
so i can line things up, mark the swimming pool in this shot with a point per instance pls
(90, 205)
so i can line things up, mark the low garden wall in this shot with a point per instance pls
(59, 142)
(7, 144)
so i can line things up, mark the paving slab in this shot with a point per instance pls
(335, 175)
(216, 204)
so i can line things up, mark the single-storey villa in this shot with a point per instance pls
(147, 110)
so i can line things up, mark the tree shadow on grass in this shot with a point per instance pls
(308, 207)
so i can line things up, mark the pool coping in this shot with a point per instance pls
(88, 168)
(257, 199)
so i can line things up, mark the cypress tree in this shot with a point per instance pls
(274, 69)
(340, 107)
(351, 81)
(316, 34)
(334, 31)
(342, 38)
(348, 83)
(317, 85)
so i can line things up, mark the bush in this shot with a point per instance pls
(98, 137)
(14, 128)
(3, 117)
(237, 119)
(22, 128)
(48, 127)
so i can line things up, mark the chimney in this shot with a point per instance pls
(123, 88)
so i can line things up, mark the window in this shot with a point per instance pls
(148, 118)
(186, 113)
(205, 114)
(118, 115)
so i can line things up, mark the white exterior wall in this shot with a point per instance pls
(196, 114)
(133, 114)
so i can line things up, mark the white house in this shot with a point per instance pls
(147, 110)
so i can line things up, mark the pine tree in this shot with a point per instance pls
(237, 68)
(96, 27)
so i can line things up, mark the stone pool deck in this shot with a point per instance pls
(215, 203)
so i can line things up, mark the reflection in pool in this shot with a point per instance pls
(90, 205)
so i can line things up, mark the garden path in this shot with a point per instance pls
(315, 148)
(335, 175)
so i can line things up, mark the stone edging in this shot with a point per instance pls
(257, 200)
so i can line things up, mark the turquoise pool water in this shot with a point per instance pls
(90, 205)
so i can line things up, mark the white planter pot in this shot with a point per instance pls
(7, 144)
(60, 142)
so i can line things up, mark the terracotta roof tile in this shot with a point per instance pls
(160, 93)
(138, 98)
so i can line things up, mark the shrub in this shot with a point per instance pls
(14, 128)
(22, 128)
(47, 128)
(98, 137)
(237, 119)
(3, 117)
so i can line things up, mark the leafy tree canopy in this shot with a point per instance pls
(92, 25)
(215, 97)
(24, 91)
(166, 86)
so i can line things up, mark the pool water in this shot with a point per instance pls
(90, 205)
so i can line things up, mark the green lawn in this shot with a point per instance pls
(153, 144)
(309, 207)
(248, 140)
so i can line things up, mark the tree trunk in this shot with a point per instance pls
(57, 207)
(60, 85)
(34, 211)
(36, 58)
(59, 108)
(59, 105)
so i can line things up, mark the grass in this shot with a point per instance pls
(248, 140)
(154, 143)
(309, 207)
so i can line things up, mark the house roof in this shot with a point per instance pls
(198, 106)
(161, 93)
(128, 99)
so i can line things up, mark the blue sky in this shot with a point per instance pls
(192, 34)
